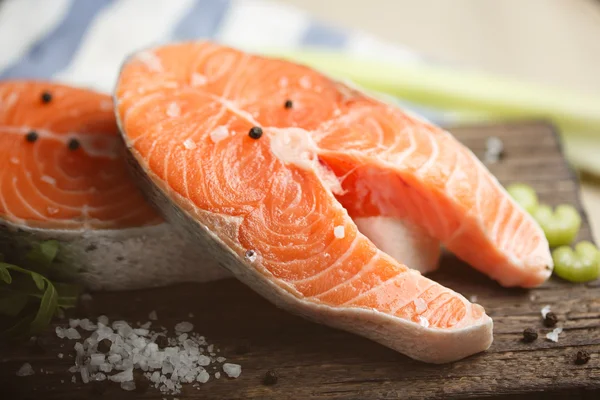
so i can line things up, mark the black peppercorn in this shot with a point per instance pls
(46, 97)
(550, 320)
(529, 335)
(31, 136)
(104, 345)
(255, 132)
(73, 144)
(582, 357)
(271, 377)
(162, 341)
(288, 104)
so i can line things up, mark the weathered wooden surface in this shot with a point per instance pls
(317, 362)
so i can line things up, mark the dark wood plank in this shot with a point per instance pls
(318, 362)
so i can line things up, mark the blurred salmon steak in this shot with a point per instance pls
(267, 163)
(64, 177)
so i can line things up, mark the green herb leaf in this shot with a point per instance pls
(23, 291)
(68, 294)
(39, 280)
(12, 303)
(42, 255)
(5, 275)
(49, 249)
(46, 311)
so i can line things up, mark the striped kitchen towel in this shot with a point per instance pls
(84, 42)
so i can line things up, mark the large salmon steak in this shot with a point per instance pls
(266, 163)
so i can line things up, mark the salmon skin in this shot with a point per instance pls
(64, 177)
(239, 150)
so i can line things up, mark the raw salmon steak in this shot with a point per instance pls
(64, 177)
(266, 162)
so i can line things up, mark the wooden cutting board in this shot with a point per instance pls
(314, 361)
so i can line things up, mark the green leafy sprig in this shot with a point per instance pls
(28, 296)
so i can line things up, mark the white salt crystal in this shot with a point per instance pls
(14, 160)
(60, 332)
(173, 110)
(25, 370)
(129, 385)
(221, 359)
(97, 359)
(424, 322)
(152, 316)
(79, 349)
(189, 144)
(85, 375)
(106, 367)
(250, 255)
(73, 379)
(52, 210)
(339, 232)
(127, 364)
(150, 348)
(124, 376)
(72, 333)
(305, 82)
(146, 325)
(155, 377)
(198, 79)
(553, 336)
(219, 134)
(150, 59)
(103, 319)
(114, 358)
(73, 323)
(139, 342)
(60, 355)
(167, 368)
(232, 370)
(420, 305)
(123, 328)
(87, 325)
(100, 376)
(473, 299)
(545, 311)
(217, 375)
(73, 369)
(494, 145)
(48, 179)
(184, 327)
(203, 360)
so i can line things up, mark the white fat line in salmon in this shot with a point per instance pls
(86, 141)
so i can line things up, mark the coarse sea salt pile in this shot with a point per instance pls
(113, 351)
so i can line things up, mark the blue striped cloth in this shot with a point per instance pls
(83, 42)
